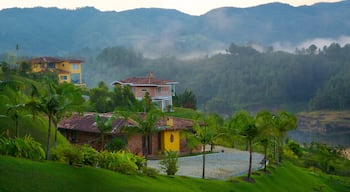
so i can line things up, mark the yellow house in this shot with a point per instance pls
(68, 70)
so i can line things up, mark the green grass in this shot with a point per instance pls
(184, 113)
(25, 175)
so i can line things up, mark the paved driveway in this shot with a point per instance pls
(220, 165)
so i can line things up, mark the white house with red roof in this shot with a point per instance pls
(161, 91)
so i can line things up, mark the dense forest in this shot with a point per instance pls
(241, 78)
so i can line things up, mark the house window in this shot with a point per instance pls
(64, 77)
(159, 90)
(75, 78)
(171, 138)
(51, 66)
(144, 90)
(75, 66)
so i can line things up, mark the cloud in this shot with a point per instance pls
(319, 42)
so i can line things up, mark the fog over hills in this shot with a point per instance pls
(159, 32)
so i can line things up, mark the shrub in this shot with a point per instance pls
(297, 150)
(169, 162)
(116, 144)
(151, 172)
(25, 147)
(121, 161)
(90, 155)
(73, 155)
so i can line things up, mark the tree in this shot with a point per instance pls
(205, 134)
(245, 123)
(187, 100)
(15, 101)
(104, 125)
(59, 101)
(100, 98)
(146, 125)
(284, 123)
(266, 128)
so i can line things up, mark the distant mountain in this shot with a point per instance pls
(154, 32)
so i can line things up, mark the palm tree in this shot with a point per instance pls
(206, 134)
(70, 100)
(55, 104)
(15, 100)
(245, 123)
(266, 129)
(103, 126)
(284, 123)
(146, 125)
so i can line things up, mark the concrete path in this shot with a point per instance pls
(220, 165)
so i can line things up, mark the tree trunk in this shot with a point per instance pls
(102, 140)
(48, 140)
(145, 151)
(265, 157)
(16, 124)
(250, 159)
(203, 170)
(55, 142)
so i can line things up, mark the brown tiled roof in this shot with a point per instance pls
(150, 80)
(86, 123)
(42, 60)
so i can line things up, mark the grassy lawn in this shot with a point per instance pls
(25, 175)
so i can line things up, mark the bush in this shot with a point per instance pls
(90, 155)
(25, 147)
(116, 144)
(169, 162)
(297, 150)
(151, 172)
(73, 155)
(121, 161)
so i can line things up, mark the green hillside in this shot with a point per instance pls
(25, 175)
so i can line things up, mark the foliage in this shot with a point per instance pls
(120, 161)
(187, 99)
(169, 162)
(90, 155)
(295, 147)
(25, 147)
(150, 172)
(328, 159)
(73, 155)
(104, 124)
(116, 144)
(146, 125)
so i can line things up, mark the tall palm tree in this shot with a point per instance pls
(284, 122)
(146, 125)
(104, 125)
(266, 129)
(205, 134)
(245, 123)
(15, 100)
(55, 104)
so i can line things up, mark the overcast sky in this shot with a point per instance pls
(193, 7)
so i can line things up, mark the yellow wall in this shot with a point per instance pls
(166, 141)
(65, 66)
(37, 67)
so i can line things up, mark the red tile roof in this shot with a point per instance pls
(149, 80)
(42, 60)
(86, 123)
